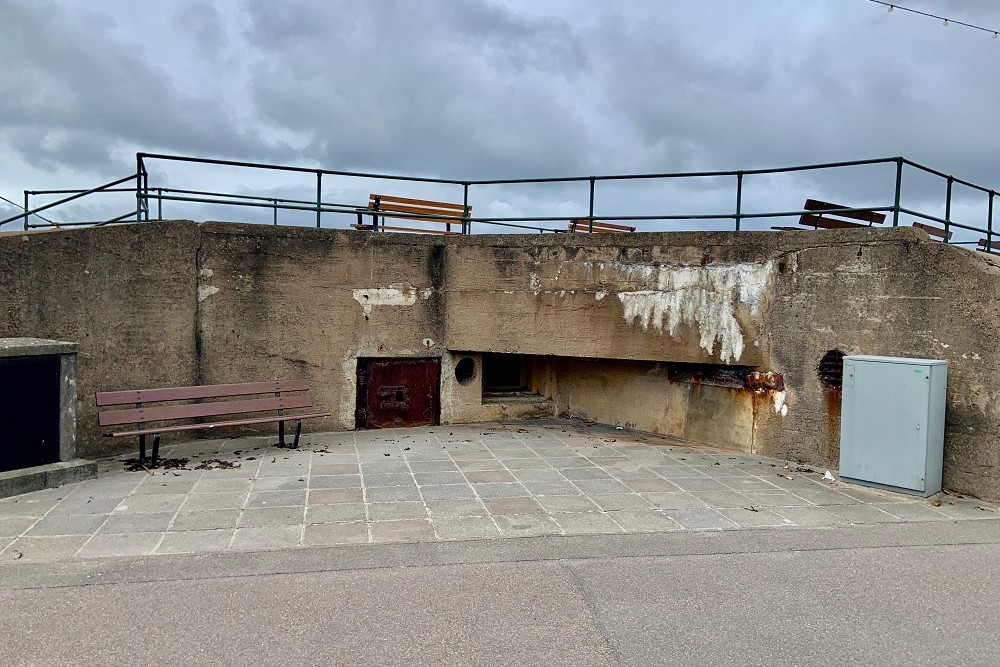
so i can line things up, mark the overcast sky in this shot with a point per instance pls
(471, 89)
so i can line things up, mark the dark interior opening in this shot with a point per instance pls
(29, 411)
(505, 373)
(465, 370)
(831, 369)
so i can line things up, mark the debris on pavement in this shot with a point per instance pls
(828, 477)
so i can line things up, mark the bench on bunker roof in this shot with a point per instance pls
(824, 215)
(586, 226)
(417, 211)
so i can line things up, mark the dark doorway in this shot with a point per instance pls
(504, 373)
(29, 411)
(398, 392)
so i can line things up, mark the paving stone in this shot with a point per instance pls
(151, 522)
(575, 462)
(280, 484)
(102, 504)
(622, 501)
(271, 516)
(122, 544)
(871, 496)
(465, 528)
(322, 534)
(455, 508)
(463, 455)
(395, 511)
(266, 537)
(528, 525)
(967, 510)
(433, 478)
(698, 484)
(727, 499)
(755, 519)
(513, 506)
(639, 521)
(205, 520)
(593, 487)
(824, 497)
(750, 485)
(276, 499)
(586, 523)
(526, 464)
(83, 524)
(421, 466)
(489, 476)
(14, 526)
(574, 474)
(386, 479)
(540, 475)
(556, 504)
(151, 503)
(775, 499)
(861, 513)
(809, 516)
(563, 488)
(632, 473)
(336, 513)
(391, 494)
(386, 467)
(674, 501)
(355, 481)
(274, 470)
(479, 465)
(918, 511)
(210, 485)
(195, 541)
(213, 501)
(108, 487)
(499, 490)
(409, 530)
(651, 485)
(334, 469)
(700, 519)
(335, 496)
(46, 548)
(157, 485)
(430, 453)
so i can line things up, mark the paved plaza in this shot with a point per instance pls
(482, 481)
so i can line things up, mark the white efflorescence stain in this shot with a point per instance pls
(205, 291)
(780, 407)
(397, 294)
(703, 296)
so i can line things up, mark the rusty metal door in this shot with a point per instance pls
(398, 392)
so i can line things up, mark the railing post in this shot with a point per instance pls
(319, 197)
(466, 225)
(26, 209)
(739, 199)
(947, 209)
(590, 210)
(899, 192)
(989, 225)
(145, 191)
(159, 203)
(275, 209)
(138, 187)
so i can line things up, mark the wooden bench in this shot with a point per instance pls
(381, 207)
(827, 217)
(933, 230)
(598, 227)
(143, 417)
(994, 246)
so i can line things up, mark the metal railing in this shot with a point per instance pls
(145, 195)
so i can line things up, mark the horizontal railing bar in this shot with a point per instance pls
(99, 188)
(301, 170)
(950, 223)
(941, 174)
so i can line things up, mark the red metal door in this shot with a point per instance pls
(398, 392)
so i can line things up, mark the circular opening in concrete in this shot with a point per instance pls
(465, 370)
(831, 370)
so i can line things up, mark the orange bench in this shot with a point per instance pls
(381, 207)
(825, 216)
(994, 246)
(933, 230)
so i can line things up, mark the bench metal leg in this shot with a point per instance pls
(298, 432)
(156, 449)
(142, 448)
(281, 434)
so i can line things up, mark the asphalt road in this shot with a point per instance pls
(917, 595)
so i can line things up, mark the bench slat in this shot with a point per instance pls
(405, 229)
(932, 230)
(599, 227)
(824, 222)
(418, 202)
(189, 411)
(134, 396)
(867, 216)
(234, 422)
(428, 211)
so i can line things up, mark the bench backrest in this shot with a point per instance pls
(825, 218)
(994, 246)
(598, 227)
(422, 210)
(933, 230)
(141, 413)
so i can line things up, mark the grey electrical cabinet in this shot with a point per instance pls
(892, 422)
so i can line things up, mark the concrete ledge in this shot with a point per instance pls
(26, 480)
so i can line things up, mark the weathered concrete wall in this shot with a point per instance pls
(176, 303)
(125, 293)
